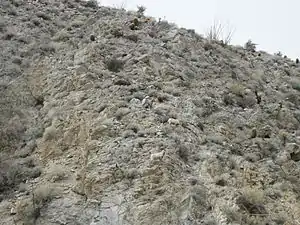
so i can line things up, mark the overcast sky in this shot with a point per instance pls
(273, 24)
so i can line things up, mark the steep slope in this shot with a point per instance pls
(126, 120)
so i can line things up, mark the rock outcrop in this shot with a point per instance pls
(109, 117)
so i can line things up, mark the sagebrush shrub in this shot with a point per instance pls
(250, 46)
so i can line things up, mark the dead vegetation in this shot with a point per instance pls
(218, 33)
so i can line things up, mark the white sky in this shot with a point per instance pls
(273, 24)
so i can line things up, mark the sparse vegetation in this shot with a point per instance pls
(77, 23)
(43, 15)
(278, 54)
(117, 32)
(44, 194)
(237, 89)
(208, 46)
(8, 35)
(252, 201)
(233, 216)
(63, 35)
(183, 152)
(121, 112)
(217, 33)
(296, 84)
(141, 10)
(47, 48)
(132, 37)
(92, 4)
(15, 167)
(28, 210)
(17, 3)
(141, 121)
(56, 173)
(50, 133)
(114, 65)
(250, 46)
(15, 171)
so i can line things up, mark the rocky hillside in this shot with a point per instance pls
(109, 117)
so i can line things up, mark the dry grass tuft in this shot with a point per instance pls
(217, 33)
(56, 173)
(252, 201)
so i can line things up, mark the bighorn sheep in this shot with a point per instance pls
(157, 156)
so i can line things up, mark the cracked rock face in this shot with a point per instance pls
(110, 117)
